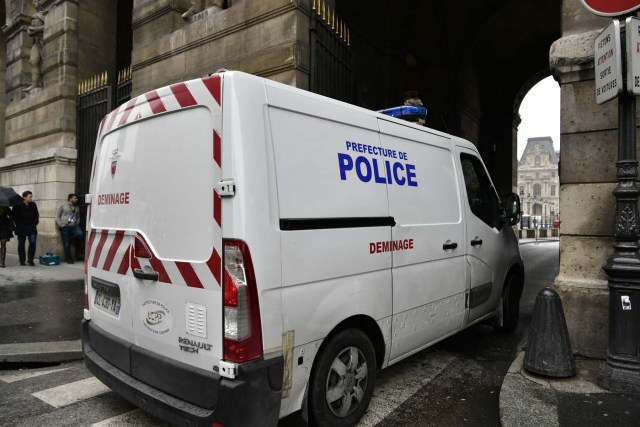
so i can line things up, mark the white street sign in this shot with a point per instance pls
(608, 62)
(633, 55)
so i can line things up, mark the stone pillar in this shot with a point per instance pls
(269, 38)
(587, 179)
(40, 149)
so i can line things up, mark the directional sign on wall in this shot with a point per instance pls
(611, 7)
(608, 63)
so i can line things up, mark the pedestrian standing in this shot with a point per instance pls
(68, 220)
(6, 232)
(26, 217)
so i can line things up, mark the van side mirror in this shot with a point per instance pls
(512, 209)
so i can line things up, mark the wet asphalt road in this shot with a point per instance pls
(41, 311)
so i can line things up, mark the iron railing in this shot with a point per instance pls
(95, 100)
(330, 61)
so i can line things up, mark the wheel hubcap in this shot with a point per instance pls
(346, 382)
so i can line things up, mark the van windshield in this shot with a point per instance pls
(155, 177)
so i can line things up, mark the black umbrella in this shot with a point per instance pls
(8, 196)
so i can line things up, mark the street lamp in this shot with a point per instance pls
(621, 372)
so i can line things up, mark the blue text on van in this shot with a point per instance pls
(381, 171)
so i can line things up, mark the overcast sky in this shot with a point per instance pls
(540, 113)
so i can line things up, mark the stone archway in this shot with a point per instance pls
(470, 64)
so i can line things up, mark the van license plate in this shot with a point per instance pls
(107, 303)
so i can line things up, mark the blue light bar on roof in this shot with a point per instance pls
(406, 112)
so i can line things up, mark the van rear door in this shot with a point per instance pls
(155, 245)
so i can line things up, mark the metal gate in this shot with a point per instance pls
(95, 100)
(330, 40)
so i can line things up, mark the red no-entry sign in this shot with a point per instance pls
(611, 7)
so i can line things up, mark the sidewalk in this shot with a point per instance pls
(40, 312)
(531, 400)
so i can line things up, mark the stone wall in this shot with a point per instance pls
(40, 124)
(587, 179)
(97, 31)
(268, 38)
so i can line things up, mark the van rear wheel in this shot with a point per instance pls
(342, 380)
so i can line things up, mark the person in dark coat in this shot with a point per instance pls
(26, 217)
(6, 232)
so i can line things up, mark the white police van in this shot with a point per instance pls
(255, 249)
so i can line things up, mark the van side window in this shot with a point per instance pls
(482, 197)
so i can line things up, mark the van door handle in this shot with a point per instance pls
(476, 242)
(449, 245)
(145, 275)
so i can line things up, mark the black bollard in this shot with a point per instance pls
(548, 350)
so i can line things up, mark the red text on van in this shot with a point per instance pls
(390, 245)
(113, 199)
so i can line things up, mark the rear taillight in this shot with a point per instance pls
(242, 328)
(141, 250)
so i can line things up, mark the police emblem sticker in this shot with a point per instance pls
(156, 317)
(114, 162)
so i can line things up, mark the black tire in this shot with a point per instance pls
(510, 304)
(355, 393)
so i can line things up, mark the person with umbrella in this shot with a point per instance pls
(26, 217)
(6, 232)
(9, 197)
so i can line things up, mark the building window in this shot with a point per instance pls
(553, 174)
(521, 191)
(537, 175)
(536, 190)
(553, 190)
(537, 161)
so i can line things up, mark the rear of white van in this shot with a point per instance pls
(172, 321)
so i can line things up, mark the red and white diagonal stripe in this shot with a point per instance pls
(112, 250)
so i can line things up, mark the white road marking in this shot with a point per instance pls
(68, 394)
(25, 375)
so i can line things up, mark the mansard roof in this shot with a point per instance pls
(547, 144)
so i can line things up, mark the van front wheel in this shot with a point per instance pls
(342, 381)
(510, 304)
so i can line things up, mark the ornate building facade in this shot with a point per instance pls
(538, 180)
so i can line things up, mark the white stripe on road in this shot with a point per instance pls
(137, 418)
(10, 378)
(68, 394)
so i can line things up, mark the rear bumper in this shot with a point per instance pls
(252, 399)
